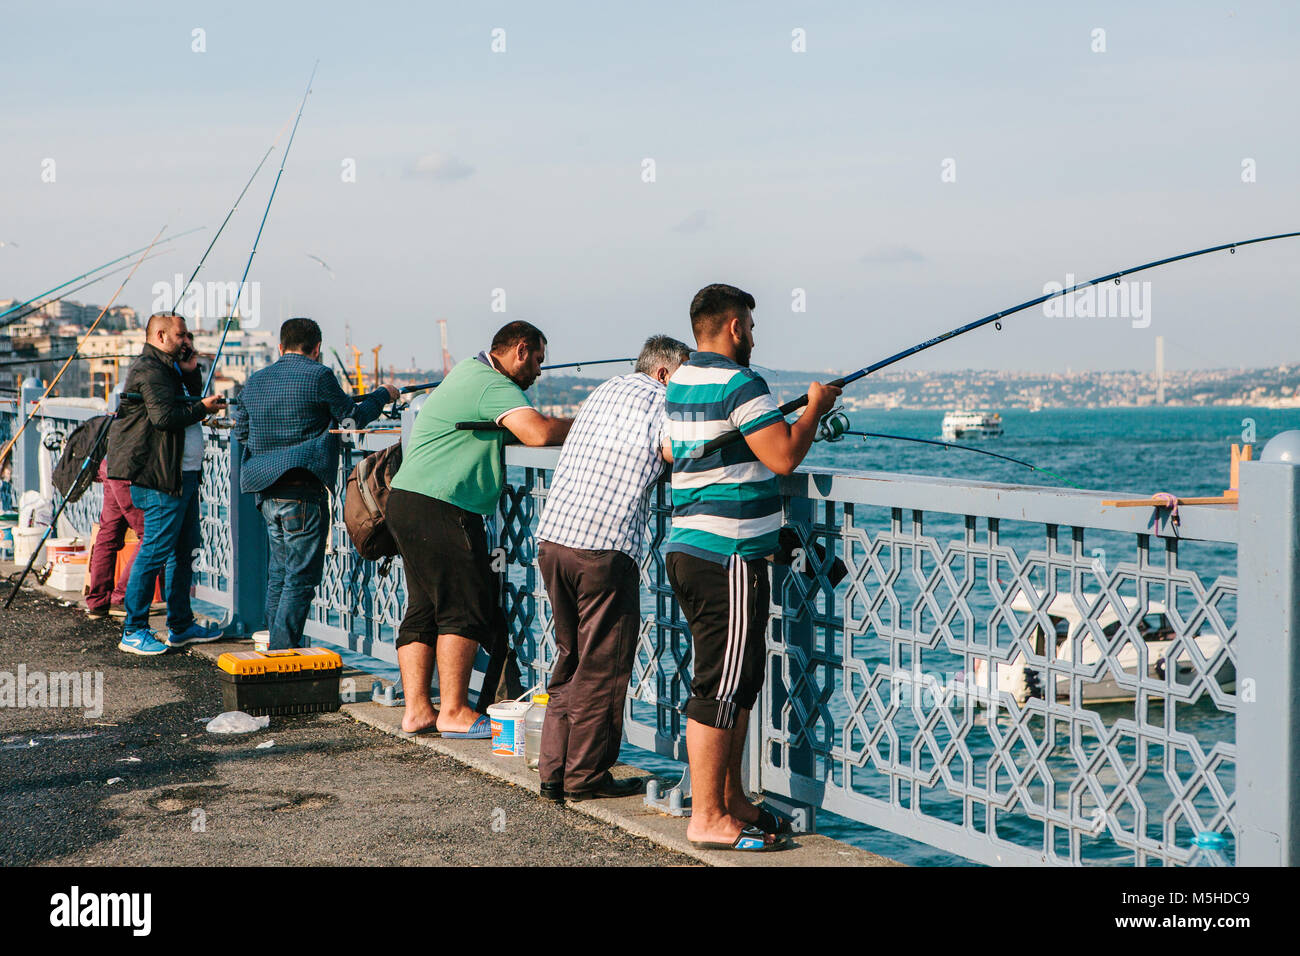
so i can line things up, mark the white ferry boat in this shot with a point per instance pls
(1157, 632)
(957, 425)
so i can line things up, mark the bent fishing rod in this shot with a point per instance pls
(111, 262)
(996, 318)
(545, 368)
(276, 185)
(4, 453)
(222, 228)
(835, 426)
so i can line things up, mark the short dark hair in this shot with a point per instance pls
(512, 333)
(299, 335)
(157, 320)
(715, 305)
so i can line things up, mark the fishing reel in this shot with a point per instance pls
(833, 425)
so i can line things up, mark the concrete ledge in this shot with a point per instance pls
(628, 813)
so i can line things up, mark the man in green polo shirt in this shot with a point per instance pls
(449, 480)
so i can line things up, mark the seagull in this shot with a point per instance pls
(323, 263)
(3, 243)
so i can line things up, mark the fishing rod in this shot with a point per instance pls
(220, 229)
(996, 318)
(347, 378)
(54, 521)
(235, 304)
(111, 262)
(545, 368)
(59, 298)
(4, 453)
(835, 426)
(74, 357)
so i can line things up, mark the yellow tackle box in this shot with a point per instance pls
(303, 680)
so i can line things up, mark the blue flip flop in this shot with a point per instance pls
(481, 730)
(750, 839)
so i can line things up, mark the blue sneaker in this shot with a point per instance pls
(144, 642)
(196, 633)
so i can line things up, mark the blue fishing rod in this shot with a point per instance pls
(996, 318)
(235, 304)
(59, 298)
(111, 262)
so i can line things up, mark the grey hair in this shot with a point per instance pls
(662, 350)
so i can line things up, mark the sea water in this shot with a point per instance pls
(1132, 451)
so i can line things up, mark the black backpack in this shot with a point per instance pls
(87, 439)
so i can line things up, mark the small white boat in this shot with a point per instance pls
(1023, 682)
(958, 425)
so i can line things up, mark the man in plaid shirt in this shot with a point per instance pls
(593, 539)
(283, 418)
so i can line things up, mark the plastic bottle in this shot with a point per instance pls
(533, 721)
(1207, 849)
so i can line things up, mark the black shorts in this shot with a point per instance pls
(726, 608)
(450, 585)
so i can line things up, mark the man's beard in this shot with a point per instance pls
(743, 352)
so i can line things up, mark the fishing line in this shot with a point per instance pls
(235, 304)
(729, 437)
(84, 285)
(111, 262)
(4, 453)
(545, 368)
(835, 426)
(220, 229)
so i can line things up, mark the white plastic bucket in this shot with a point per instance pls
(66, 551)
(508, 727)
(25, 542)
(261, 640)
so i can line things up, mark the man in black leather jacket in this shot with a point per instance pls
(156, 443)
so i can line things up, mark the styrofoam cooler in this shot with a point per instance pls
(69, 559)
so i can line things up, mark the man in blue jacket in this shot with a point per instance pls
(283, 419)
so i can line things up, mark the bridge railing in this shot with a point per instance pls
(1010, 673)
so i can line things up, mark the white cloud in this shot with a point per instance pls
(440, 166)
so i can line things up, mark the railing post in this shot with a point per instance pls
(27, 450)
(1268, 665)
(248, 556)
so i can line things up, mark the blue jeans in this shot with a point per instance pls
(296, 528)
(171, 536)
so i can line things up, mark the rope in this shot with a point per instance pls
(1166, 500)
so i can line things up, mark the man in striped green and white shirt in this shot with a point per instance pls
(726, 522)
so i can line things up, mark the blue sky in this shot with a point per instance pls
(775, 170)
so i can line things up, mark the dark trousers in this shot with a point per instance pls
(595, 603)
(117, 514)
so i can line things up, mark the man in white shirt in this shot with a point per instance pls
(592, 540)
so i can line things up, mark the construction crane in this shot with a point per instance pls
(356, 367)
